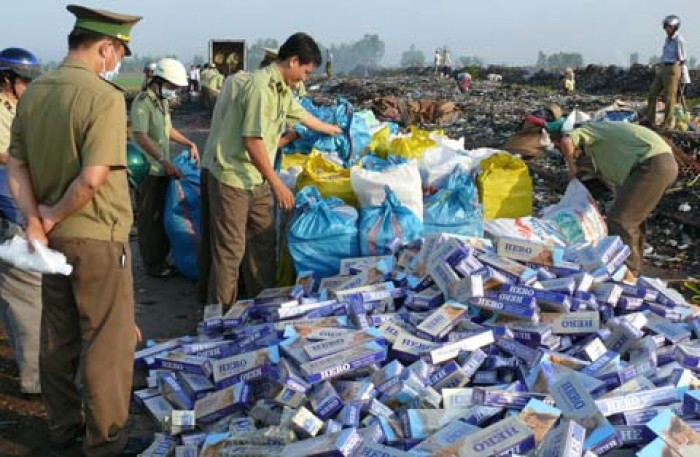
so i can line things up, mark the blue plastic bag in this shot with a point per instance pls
(8, 206)
(182, 217)
(374, 163)
(455, 207)
(381, 227)
(348, 145)
(322, 233)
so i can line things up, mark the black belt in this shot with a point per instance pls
(669, 64)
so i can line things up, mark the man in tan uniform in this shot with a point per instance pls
(240, 153)
(20, 290)
(152, 130)
(68, 174)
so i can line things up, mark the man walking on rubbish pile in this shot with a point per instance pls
(152, 130)
(67, 171)
(242, 145)
(668, 76)
(638, 162)
(20, 290)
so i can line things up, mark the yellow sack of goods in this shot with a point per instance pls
(505, 187)
(331, 179)
(413, 146)
(293, 160)
(380, 142)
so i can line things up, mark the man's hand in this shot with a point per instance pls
(194, 153)
(137, 333)
(171, 170)
(48, 219)
(334, 130)
(285, 198)
(35, 231)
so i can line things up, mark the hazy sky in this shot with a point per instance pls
(500, 31)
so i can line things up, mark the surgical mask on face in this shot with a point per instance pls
(168, 93)
(111, 74)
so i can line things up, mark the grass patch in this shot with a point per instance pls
(130, 82)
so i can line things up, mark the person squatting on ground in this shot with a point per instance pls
(152, 130)
(67, 172)
(242, 145)
(668, 75)
(638, 163)
(20, 290)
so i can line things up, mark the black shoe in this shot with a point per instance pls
(167, 272)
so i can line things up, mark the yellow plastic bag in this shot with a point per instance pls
(380, 142)
(411, 147)
(293, 160)
(505, 187)
(331, 180)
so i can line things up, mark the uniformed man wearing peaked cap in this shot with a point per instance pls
(107, 23)
(67, 170)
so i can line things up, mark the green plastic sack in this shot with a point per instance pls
(505, 187)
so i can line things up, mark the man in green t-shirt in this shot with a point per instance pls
(641, 166)
(240, 153)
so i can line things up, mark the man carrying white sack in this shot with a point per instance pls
(638, 162)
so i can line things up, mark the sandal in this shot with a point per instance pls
(167, 272)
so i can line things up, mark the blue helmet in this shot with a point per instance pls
(20, 62)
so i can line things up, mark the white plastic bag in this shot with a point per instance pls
(403, 179)
(685, 75)
(574, 119)
(526, 228)
(42, 260)
(576, 215)
(437, 164)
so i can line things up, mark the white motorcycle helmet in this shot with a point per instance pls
(172, 71)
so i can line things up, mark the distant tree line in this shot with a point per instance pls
(559, 60)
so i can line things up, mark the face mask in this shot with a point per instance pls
(111, 74)
(168, 93)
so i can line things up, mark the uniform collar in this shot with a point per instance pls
(156, 99)
(276, 80)
(5, 103)
(69, 62)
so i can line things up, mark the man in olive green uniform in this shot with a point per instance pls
(68, 174)
(242, 145)
(152, 130)
(638, 162)
(20, 290)
(212, 80)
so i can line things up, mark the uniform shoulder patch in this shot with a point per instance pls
(142, 96)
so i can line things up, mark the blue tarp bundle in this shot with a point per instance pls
(383, 226)
(182, 217)
(348, 145)
(322, 232)
(455, 207)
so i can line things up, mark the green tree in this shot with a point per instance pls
(413, 57)
(472, 61)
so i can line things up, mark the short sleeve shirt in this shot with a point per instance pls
(66, 120)
(151, 116)
(260, 108)
(616, 147)
(674, 50)
(7, 114)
